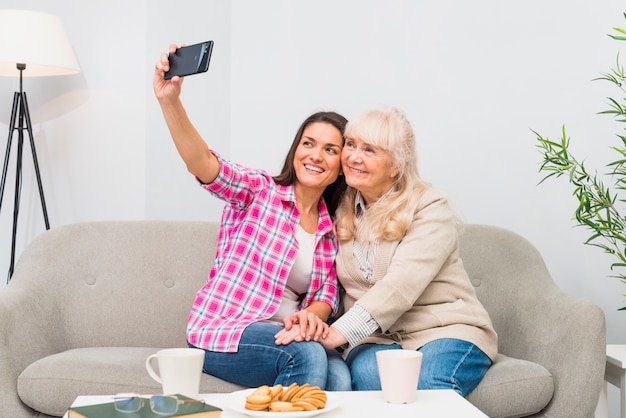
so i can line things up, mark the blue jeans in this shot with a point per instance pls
(259, 361)
(446, 364)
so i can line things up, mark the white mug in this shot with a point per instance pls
(399, 372)
(180, 370)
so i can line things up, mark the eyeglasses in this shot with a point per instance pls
(159, 404)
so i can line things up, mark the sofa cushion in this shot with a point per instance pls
(526, 386)
(51, 384)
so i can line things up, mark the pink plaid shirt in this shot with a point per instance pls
(256, 248)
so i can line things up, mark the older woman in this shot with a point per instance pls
(398, 261)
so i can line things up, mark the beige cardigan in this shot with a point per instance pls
(420, 290)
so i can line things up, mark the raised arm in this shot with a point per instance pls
(193, 150)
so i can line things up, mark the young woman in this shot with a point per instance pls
(275, 253)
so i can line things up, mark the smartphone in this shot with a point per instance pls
(191, 59)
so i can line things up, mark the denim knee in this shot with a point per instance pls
(303, 362)
(338, 372)
(452, 364)
(363, 367)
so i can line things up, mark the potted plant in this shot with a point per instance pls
(598, 203)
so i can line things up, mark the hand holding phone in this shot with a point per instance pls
(188, 60)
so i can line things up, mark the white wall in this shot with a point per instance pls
(473, 77)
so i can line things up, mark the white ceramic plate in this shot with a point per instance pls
(237, 400)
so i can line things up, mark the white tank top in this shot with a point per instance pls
(299, 276)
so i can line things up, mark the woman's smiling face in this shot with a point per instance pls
(367, 168)
(317, 160)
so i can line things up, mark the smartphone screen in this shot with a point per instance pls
(191, 59)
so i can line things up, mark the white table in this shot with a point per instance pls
(429, 403)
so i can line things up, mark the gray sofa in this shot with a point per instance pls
(89, 302)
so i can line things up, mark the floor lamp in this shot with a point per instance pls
(32, 44)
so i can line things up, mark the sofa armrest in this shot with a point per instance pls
(537, 321)
(23, 341)
(567, 336)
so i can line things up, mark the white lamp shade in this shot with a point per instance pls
(36, 39)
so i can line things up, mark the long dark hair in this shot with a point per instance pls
(333, 192)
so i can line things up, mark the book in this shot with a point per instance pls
(107, 410)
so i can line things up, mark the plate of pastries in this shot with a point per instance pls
(293, 401)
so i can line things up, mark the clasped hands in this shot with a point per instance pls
(307, 326)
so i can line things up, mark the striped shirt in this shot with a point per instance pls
(256, 248)
(357, 324)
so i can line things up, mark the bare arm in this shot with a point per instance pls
(193, 150)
